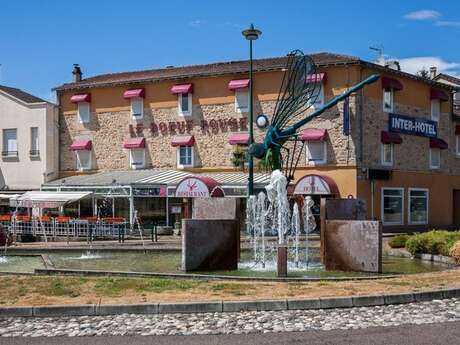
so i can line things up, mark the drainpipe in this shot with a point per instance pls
(131, 206)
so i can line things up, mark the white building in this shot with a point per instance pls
(29, 139)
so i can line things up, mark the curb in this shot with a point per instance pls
(228, 306)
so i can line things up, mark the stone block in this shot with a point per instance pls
(210, 244)
(399, 298)
(64, 310)
(16, 311)
(205, 307)
(303, 304)
(368, 301)
(427, 296)
(336, 302)
(114, 309)
(261, 305)
(353, 245)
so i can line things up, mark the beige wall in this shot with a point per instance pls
(25, 172)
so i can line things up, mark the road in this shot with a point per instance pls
(430, 334)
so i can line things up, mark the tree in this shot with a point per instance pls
(424, 73)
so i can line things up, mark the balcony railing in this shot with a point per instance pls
(34, 153)
(9, 153)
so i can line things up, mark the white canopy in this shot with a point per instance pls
(39, 199)
(9, 196)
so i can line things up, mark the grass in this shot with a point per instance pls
(35, 290)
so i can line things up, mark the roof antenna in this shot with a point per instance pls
(380, 58)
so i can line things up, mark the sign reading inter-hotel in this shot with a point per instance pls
(412, 125)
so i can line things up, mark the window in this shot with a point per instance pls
(83, 112)
(137, 107)
(137, 158)
(10, 143)
(435, 109)
(387, 154)
(242, 100)
(435, 158)
(185, 104)
(319, 101)
(316, 152)
(392, 206)
(185, 156)
(388, 100)
(83, 159)
(34, 146)
(418, 206)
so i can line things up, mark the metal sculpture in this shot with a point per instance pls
(296, 96)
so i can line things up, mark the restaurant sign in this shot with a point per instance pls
(412, 125)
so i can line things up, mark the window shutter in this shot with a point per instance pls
(137, 107)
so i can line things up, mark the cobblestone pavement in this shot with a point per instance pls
(235, 323)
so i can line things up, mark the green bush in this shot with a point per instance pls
(436, 242)
(398, 241)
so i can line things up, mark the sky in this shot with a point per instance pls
(41, 39)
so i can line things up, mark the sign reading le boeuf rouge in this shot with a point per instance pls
(412, 125)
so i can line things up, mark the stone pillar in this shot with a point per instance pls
(281, 268)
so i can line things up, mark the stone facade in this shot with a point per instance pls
(413, 154)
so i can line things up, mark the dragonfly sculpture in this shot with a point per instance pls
(295, 98)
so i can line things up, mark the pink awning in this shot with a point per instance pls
(134, 143)
(437, 143)
(316, 184)
(391, 83)
(390, 138)
(316, 78)
(83, 97)
(199, 187)
(439, 94)
(183, 140)
(238, 139)
(134, 93)
(81, 145)
(182, 88)
(314, 134)
(238, 84)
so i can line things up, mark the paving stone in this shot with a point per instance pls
(336, 302)
(302, 304)
(164, 308)
(127, 309)
(365, 301)
(399, 298)
(64, 310)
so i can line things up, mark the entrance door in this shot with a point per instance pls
(456, 207)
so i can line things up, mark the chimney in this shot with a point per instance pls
(433, 72)
(76, 73)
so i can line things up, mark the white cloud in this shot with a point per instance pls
(415, 64)
(196, 23)
(447, 23)
(423, 15)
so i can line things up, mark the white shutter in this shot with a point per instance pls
(137, 157)
(316, 152)
(83, 160)
(435, 109)
(137, 107)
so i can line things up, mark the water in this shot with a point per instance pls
(270, 214)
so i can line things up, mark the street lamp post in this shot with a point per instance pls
(251, 34)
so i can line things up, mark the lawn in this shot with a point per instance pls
(38, 290)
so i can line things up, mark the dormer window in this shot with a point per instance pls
(136, 96)
(184, 98)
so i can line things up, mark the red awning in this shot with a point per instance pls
(134, 143)
(238, 84)
(198, 187)
(182, 88)
(390, 138)
(238, 139)
(183, 140)
(134, 93)
(80, 145)
(437, 143)
(316, 184)
(314, 134)
(391, 83)
(439, 94)
(83, 97)
(457, 130)
(316, 78)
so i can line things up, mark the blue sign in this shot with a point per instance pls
(412, 125)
